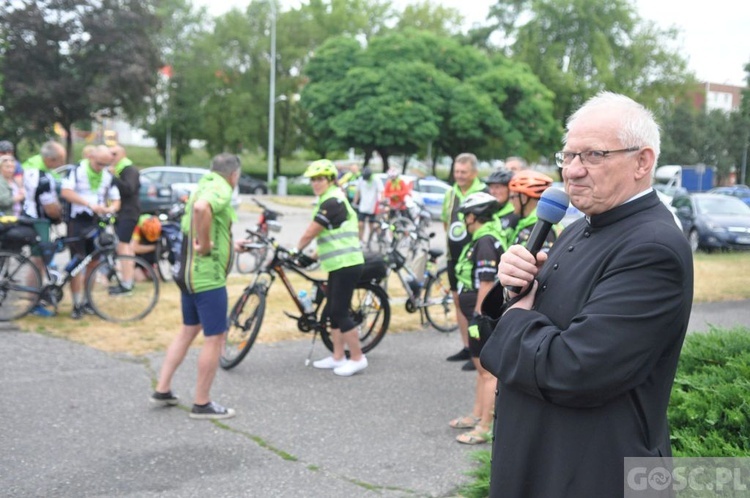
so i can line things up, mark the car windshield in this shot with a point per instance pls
(721, 205)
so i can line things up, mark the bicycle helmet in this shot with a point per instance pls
(500, 176)
(322, 167)
(529, 182)
(151, 229)
(6, 146)
(392, 173)
(366, 173)
(480, 204)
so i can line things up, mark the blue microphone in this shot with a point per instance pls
(550, 210)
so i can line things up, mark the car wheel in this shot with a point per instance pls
(259, 191)
(694, 240)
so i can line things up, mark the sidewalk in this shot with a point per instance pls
(77, 422)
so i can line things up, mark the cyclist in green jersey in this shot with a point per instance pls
(206, 258)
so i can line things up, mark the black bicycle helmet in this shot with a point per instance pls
(366, 173)
(480, 204)
(501, 176)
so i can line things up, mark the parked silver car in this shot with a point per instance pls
(182, 179)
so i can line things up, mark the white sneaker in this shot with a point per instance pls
(351, 367)
(330, 362)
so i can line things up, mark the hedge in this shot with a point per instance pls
(708, 411)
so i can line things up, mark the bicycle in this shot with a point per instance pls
(250, 261)
(427, 291)
(389, 228)
(369, 307)
(22, 287)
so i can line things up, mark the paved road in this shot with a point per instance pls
(76, 421)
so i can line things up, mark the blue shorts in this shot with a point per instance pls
(208, 308)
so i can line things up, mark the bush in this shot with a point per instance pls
(298, 189)
(708, 413)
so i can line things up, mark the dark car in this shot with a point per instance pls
(742, 192)
(153, 196)
(250, 185)
(714, 221)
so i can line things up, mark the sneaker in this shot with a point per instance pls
(87, 309)
(462, 355)
(77, 313)
(40, 310)
(211, 411)
(163, 399)
(329, 362)
(118, 290)
(468, 366)
(351, 367)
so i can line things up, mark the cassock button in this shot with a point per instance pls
(544, 287)
(570, 249)
(587, 234)
(556, 266)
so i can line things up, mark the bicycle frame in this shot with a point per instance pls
(277, 268)
(52, 292)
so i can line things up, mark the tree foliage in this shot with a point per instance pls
(407, 89)
(579, 48)
(64, 60)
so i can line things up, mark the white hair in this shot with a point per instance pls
(638, 126)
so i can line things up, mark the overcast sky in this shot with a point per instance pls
(715, 35)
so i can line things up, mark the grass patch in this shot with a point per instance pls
(718, 277)
(722, 276)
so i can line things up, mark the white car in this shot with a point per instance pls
(182, 179)
(429, 191)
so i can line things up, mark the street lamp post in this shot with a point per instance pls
(272, 92)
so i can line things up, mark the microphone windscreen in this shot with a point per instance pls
(552, 205)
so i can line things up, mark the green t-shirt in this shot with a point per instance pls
(204, 273)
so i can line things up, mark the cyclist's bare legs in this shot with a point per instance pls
(208, 363)
(349, 340)
(463, 323)
(128, 267)
(175, 354)
(77, 283)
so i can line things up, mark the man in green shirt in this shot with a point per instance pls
(465, 171)
(207, 254)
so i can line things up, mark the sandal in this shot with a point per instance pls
(467, 422)
(478, 436)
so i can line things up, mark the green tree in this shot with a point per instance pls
(64, 60)
(408, 89)
(427, 16)
(579, 48)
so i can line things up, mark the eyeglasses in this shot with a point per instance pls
(588, 157)
(318, 178)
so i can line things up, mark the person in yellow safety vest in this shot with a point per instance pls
(335, 229)
(506, 218)
(476, 272)
(465, 171)
(526, 188)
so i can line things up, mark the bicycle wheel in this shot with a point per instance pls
(122, 307)
(244, 325)
(20, 286)
(439, 307)
(371, 313)
(162, 255)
